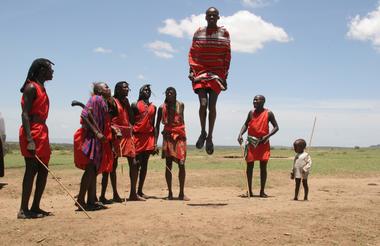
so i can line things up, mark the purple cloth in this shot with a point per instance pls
(92, 146)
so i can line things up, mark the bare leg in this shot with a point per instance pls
(168, 177)
(263, 178)
(91, 195)
(31, 168)
(306, 189)
(27, 183)
(102, 197)
(182, 177)
(133, 173)
(297, 189)
(213, 98)
(249, 171)
(143, 164)
(113, 177)
(40, 187)
(202, 96)
(84, 185)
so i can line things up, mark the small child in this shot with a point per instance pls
(301, 168)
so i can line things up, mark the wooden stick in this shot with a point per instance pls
(245, 173)
(59, 182)
(312, 133)
(126, 186)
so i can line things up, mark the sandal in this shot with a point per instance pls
(201, 140)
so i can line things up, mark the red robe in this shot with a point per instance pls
(126, 144)
(258, 127)
(210, 55)
(38, 128)
(143, 129)
(87, 148)
(174, 136)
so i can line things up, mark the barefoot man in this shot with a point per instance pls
(209, 60)
(143, 132)
(34, 136)
(170, 114)
(258, 148)
(92, 144)
(123, 144)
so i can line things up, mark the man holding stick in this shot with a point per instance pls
(34, 136)
(92, 144)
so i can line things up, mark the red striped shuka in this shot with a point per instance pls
(174, 135)
(38, 129)
(209, 58)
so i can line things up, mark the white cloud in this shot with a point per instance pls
(102, 50)
(141, 77)
(256, 3)
(248, 31)
(161, 49)
(123, 56)
(366, 28)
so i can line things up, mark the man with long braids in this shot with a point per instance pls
(34, 136)
(123, 144)
(209, 60)
(143, 131)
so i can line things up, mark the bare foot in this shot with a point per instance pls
(25, 214)
(104, 200)
(40, 211)
(209, 146)
(136, 198)
(170, 196)
(183, 198)
(117, 199)
(263, 195)
(143, 195)
(201, 140)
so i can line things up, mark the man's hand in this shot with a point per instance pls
(31, 147)
(100, 136)
(156, 150)
(263, 139)
(191, 76)
(240, 139)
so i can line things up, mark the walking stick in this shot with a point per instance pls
(125, 191)
(59, 182)
(312, 133)
(245, 173)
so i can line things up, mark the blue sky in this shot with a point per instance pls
(309, 58)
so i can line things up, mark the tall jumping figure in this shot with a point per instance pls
(209, 60)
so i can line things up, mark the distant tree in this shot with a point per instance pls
(356, 147)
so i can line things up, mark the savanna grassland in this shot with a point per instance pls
(343, 206)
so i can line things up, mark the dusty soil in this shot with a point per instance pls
(340, 211)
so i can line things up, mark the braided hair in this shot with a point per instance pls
(35, 69)
(119, 85)
(142, 90)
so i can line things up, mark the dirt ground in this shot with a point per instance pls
(340, 211)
